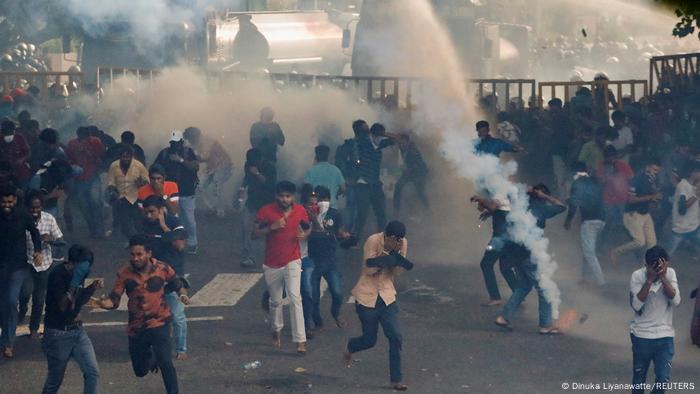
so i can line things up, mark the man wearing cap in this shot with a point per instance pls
(181, 166)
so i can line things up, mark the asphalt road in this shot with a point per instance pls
(450, 342)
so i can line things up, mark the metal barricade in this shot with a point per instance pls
(107, 74)
(504, 89)
(673, 70)
(635, 88)
(44, 80)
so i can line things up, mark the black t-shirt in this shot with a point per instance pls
(58, 284)
(641, 185)
(323, 244)
(499, 223)
(177, 172)
(155, 232)
(260, 193)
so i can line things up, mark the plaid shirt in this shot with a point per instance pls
(46, 225)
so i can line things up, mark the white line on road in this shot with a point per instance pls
(225, 290)
(24, 329)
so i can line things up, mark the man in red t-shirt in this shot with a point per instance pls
(86, 152)
(283, 223)
(15, 150)
(614, 175)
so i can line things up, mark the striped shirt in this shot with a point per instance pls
(370, 156)
(47, 226)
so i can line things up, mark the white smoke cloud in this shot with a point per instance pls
(445, 108)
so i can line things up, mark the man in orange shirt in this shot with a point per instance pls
(145, 281)
(160, 187)
(375, 296)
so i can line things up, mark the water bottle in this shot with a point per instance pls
(252, 365)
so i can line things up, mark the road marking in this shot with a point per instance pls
(224, 290)
(24, 329)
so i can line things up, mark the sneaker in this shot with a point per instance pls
(248, 263)
(192, 249)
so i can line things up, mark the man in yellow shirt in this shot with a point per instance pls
(124, 178)
(375, 296)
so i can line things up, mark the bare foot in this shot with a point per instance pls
(347, 359)
(276, 341)
(8, 353)
(182, 357)
(301, 347)
(492, 303)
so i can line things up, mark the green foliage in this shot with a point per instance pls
(688, 13)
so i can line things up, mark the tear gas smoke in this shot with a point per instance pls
(445, 109)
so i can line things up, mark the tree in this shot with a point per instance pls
(688, 13)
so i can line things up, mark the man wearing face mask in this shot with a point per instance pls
(644, 194)
(181, 166)
(15, 150)
(14, 225)
(64, 335)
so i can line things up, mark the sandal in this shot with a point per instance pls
(503, 324)
(550, 331)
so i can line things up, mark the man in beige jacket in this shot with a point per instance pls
(375, 295)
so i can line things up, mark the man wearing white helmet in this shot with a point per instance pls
(181, 166)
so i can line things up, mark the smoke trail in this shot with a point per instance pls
(445, 108)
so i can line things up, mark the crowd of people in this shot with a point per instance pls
(151, 210)
(633, 176)
(637, 169)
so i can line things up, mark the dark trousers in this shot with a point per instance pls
(370, 195)
(494, 252)
(150, 347)
(644, 351)
(86, 194)
(371, 318)
(332, 276)
(125, 216)
(418, 183)
(307, 303)
(59, 347)
(11, 281)
(34, 287)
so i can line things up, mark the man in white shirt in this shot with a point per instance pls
(625, 138)
(34, 286)
(686, 210)
(653, 295)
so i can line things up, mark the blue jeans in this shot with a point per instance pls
(350, 207)
(11, 282)
(332, 276)
(59, 347)
(528, 279)
(87, 196)
(187, 206)
(643, 352)
(494, 252)
(307, 303)
(371, 318)
(177, 308)
(675, 240)
(590, 230)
